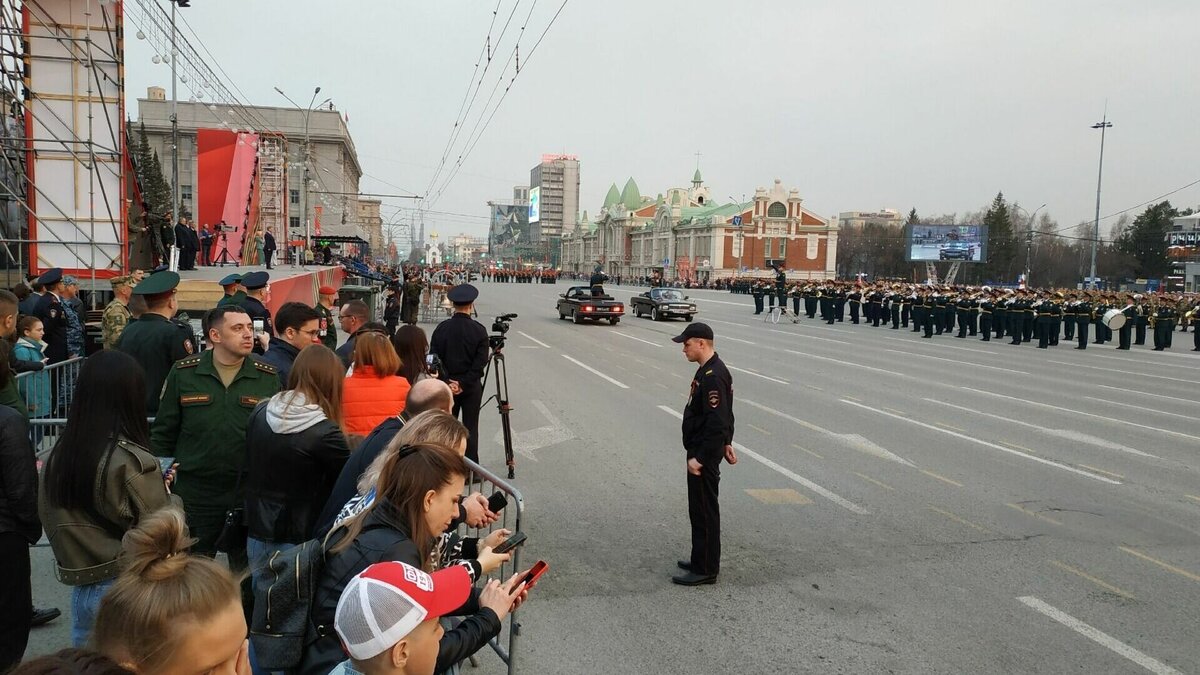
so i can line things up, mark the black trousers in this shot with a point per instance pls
(704, 512)
(206, 252)
(876, 313)
(895, 316)
(269, 254)
(1082, 324)
(758, 304)
(905, 311)
(1139, 329)
(468, 403)
(854, 311)
(985, 327)
(1125, 335)
(1001, 323)
(810, 307)
(796, 306)
(1069, 328)
(840, 307)
(16, 597)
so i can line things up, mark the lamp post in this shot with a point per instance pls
(1102, 125)
(304, 185)
(1029, 243)
(741, 205)
(174, 130)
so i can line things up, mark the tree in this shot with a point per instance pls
(1146, 240)
(912, 217)
(1002, 245)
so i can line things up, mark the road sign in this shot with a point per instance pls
(666, 262)
(737, 221)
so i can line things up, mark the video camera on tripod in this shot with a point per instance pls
(499, 327)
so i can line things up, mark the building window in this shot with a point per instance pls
(767, 247)
(294, 222)
(777, 210)
(185, 193)
(783, 248)
(294, 196)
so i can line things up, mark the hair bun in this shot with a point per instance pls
(156, 549)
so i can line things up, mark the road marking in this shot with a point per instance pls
(1193, 497)
(853, 399)
(1138, 407)
(1034, 514)
(729, 323)
(853, 364)
(1085, 414)
(1146, 393)
(872, 480)
(1098, 636)
(1106, 473)
(726, 337)
(533, 339)
(1001, 448)
(1165, 565)
(595, 372)
(1099, 582)
(1068, 434)
(810, 337)
(526, 442)
(779, 496)
(855, 441)
(1018, 447)
(961, 521)
(663, 386)
(961, 363)
(820, 457)
(637, 374)
(893, 410)
(751, 372)
(940, 477)
(759, 429)
(787, 473)
(814, 387)
(1141, 362)
(948, 426)
(1123, 372)
(941, 346)
(652, 344)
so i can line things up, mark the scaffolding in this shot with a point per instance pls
(272, 177)
(62, 177)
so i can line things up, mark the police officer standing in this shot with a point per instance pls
(707, 439)
(462, 344)
(49, 309)
(154, 339)
(258, 294)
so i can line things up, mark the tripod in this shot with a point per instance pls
(224, 258)
(496, 365)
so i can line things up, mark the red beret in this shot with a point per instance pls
(327, 290)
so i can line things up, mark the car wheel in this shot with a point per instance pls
(615, 320)
(654, 314)
(575, 317)
(688, 318)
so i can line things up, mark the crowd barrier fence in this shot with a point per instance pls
(47, 393)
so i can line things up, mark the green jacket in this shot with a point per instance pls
(203, 426)
(235, 299)
(329, 324)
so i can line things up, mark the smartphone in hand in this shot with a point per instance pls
(510, 543)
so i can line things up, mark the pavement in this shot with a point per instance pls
(901, 505)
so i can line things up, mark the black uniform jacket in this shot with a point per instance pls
(462, 344)
(708, 417)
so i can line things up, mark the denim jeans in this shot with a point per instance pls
(85, 602)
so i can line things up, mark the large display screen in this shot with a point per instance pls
(535, 204)
(510, 224)
(965, 243)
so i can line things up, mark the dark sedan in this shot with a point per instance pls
(662, 303)
(957, 250)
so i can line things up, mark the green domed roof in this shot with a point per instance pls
(613, 197)
(696, 177)
(630, 196)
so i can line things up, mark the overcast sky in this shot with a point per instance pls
(859, 106)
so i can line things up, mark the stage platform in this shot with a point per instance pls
(199, 290)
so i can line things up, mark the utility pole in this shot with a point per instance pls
(1102, 125)
(1029, 245)
(174, 134)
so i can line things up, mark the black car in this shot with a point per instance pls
(957, 250)
(589, 303)
(662, 303)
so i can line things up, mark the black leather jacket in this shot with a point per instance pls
(384, 538)
(18, 478)
(289, 477)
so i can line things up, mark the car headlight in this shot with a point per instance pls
(692, 308)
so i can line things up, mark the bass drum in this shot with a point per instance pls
(1114, 319)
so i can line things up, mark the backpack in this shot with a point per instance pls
(283, 598)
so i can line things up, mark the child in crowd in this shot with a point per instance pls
(35, 387)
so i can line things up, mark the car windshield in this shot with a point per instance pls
(668, 295)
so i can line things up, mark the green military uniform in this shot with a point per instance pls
(410, 308)
(156, 341)
(328, 326)
(112, 323)
(202, 424)
(236, 299)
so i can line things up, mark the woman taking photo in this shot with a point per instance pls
(100, 481)
(169, 611)
(411, 344)
(296, 450)
(374, 392)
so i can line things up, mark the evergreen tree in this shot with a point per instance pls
(1002, 245)
(1146, 240)
(912, 217)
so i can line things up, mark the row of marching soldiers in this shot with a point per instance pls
(1018, 314)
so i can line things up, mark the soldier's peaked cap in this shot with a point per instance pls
(231, 279)
(463, 294)
(155, 284)
(50, 277)
(256, 280)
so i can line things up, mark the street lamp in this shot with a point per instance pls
(1102, 125)
(1029, 242)
(175, 194)
(304, 184)
(741, 205)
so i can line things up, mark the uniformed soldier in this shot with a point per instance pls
(707, 439)
(1141, 319)
(757, 291)
(326, 301)
(116, 313)
(201, 422)
(810, 300)
(987, 309)
(962, 308)
(1125, 332)
(781, 288)
(258, 294)
(854, 297)
(1192, 315)
(73, 308)
(1083, 319)
(154, 339)
(234, 294)
(49, 309)
(1000, 314)
(411, 305)
(794, 292)
(1069, 308)
(1164, 323)
(391, 309)
(1101, 306)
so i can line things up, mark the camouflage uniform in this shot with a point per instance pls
(116, 315)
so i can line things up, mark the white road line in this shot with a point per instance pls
(726, 337)
(1098, 636)
(1001, 448)
(939, 346)
(728, 323)
(533, 339)
(787, 473)
(1124, 372)
(1085, 414)
(1060, 433)
(814, 337)
(851, 363)
(963, 363)
(1141, 362)
(1138, 407)
(595, 372)
(751, 372)
(1146, 393)
(652, 344)
(857, 441)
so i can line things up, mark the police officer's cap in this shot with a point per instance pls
(694, 330)
(256, 280)
(50, 277)
(163, 282)
(463, 294)
(231, 279)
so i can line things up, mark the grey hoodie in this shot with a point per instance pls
(289, 412)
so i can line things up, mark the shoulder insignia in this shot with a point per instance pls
(708, 372)
(187, 346)
(266, 367)
(188, 362)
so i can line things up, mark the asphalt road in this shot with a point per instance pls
(901, 504)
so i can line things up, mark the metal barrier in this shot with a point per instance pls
(47, 393)
(511, 518)
(44, 433)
